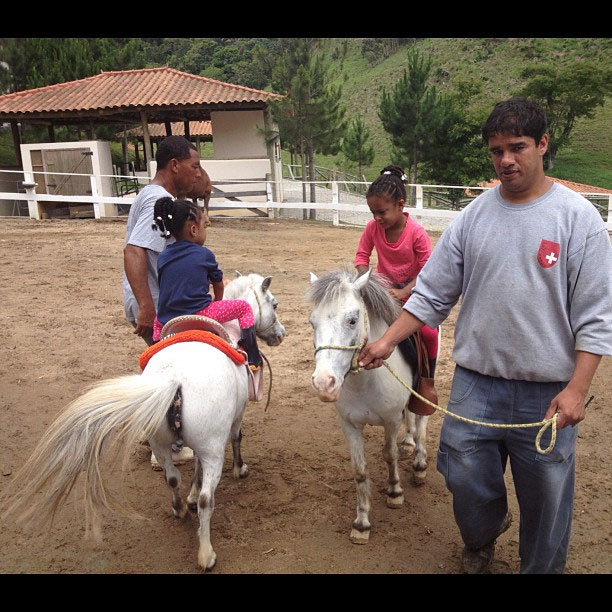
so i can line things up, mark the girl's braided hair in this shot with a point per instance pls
(390, 184)
(171, 215)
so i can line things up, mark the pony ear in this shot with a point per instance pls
(313, 278)
(266, 283)
(362, 280)
(237, 273)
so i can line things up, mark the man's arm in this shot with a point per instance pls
(136, 270)
(373, 355)
(570, 402)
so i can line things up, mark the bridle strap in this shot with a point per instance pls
(353, 347)
(274, 322)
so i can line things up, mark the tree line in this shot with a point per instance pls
(435, 136)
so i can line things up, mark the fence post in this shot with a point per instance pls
(94, 193)
(419, 196)
(30, 188)
(610, 213)
(335, 200)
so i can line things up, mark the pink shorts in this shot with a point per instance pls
(221, 311)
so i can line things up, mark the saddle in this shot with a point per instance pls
(196, 327)
(414, 352)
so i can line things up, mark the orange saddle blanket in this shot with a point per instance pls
(193, 335)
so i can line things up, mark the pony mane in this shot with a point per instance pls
(375, 293)
(240, 285)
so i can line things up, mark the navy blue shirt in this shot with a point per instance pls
(185, 271)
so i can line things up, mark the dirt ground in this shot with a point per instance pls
(64, 329)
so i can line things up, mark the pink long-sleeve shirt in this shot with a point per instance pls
(399, 261)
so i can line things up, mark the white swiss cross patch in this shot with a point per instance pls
(548, 253)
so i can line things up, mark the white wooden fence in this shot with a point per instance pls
(105, 206)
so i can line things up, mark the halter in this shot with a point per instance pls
(274, 322)
(354, 367)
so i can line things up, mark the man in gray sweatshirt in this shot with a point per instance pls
(532, 262)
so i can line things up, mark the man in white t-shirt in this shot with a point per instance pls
(178, 170)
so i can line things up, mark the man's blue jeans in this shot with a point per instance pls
(472, 459)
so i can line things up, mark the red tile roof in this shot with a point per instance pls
(158, 130)
(149, 87)
(579, 187)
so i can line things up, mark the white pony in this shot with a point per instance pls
(347, 310)
(212, 392)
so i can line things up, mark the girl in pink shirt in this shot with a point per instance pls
(402, 245)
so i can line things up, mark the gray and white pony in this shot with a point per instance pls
(347, 310)
(120, 412)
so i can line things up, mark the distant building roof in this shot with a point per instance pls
(579, 187)
(158, 130)
(130, 90)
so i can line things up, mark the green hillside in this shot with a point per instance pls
(495, 64)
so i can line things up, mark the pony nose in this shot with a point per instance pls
(323, 382)
(326, 386)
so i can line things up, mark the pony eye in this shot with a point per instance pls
(352, 321)
(275, 306)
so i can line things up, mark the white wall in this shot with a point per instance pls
(238, 134)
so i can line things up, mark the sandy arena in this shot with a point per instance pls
(64, 329)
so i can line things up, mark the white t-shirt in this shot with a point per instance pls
(139, 232)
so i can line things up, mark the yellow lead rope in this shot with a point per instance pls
(544, 425)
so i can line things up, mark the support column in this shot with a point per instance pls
(187, 132)
(147, 140)
(168, 128)
(124, 147)
(273, 151)
(17, 142)
(51, 133)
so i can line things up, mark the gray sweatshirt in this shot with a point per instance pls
(535, 281)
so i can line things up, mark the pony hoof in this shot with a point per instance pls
(359, 537)
(395, 502)
(207, 561)
(241, 472)
(418, 477)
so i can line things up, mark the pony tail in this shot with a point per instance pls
(395, 171)
(390, 183)
(163, 216)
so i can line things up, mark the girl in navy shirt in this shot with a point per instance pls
(185, 270)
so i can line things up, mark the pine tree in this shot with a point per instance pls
(356, 146)
(310, 117)
(410, 112)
